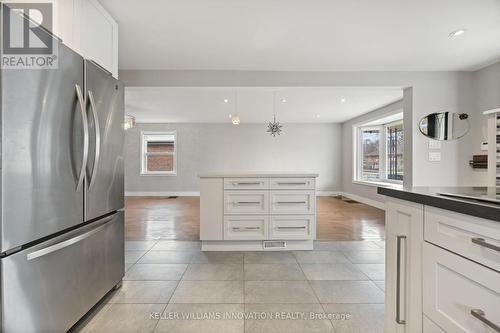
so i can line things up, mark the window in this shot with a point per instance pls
(380, 152)
(158, 153)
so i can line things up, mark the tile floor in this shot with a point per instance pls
(338, 287)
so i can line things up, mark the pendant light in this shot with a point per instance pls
(274, 127)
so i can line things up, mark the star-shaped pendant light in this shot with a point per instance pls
(274, 128)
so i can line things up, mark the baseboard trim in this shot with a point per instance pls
(162, 194)
(366, 201)
(328, 193)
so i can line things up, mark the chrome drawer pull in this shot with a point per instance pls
(245, 228)
(291, 228)
(247, 203)
(483, 243)
(479, 314)
(246, 183)
(398, 280)
(290, 202)
(291, 183)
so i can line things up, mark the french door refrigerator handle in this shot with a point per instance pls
(83, 111)
(68, 242)
(97, 139)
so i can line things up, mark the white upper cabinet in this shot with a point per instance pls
(86, 27)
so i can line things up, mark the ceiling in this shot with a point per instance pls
(255, 105)
(306, 35)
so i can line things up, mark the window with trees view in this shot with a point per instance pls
(380, 153)
(158, 151)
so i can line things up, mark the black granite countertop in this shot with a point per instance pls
(481, 206)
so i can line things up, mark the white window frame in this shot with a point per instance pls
(144, 154)
(358, 155)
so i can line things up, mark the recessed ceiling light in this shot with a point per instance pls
(342, 100)
(283, 100)
(226, 100)
(457, 33)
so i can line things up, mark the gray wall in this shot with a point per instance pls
(247, 147)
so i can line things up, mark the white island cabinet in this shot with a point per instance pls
(442, 267)
(257, 211)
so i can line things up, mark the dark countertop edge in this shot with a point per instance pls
(455, 205)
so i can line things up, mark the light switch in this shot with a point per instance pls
(434, 156)
(434, 144)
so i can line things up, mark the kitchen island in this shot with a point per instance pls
(257, 211)
(442, 259)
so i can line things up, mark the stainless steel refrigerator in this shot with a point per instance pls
(62, 233)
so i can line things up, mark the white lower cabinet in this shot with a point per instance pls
(460, 295)
(241, 212)
(246, 227)
(404, 239)
(292, 227)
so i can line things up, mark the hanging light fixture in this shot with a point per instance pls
(235, 118)
(129, 122)
(274, 127)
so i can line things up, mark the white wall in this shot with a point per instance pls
(432, 92)
(247, 147)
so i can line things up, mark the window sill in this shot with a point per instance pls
(159, 174)
(377, 184)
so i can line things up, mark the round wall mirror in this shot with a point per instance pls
(445, 126)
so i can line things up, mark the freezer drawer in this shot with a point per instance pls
(49, 287)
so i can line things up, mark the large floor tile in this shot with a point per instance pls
(208, 292)
(373, 271)
(326, 245)
(380, 284)
(155, 272)
(174, 245)
(139, 245)
(366, 257)
(272, 318)
(147, 292)
(320, 257)
(224, 257)
(358, 246)
(275, 257)
(124, 318)
(260, 272)
(380, 244)
(181, 318)
(131, 257)
(214, 272)
(166, 257)
(347, 292)
(332, 272)
(364, 318)
(279, 292)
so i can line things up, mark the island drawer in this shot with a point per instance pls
(246, 183)
(246, 227)
(292, 202)
(246, 202)
(292, 227)
(474, 238)
(292, 183)
(459, 295)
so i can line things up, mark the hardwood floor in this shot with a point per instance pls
(151, 218)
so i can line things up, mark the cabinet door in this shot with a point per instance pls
(98, 33)
(404, 239)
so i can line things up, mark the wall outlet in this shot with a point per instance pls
(434, 144)
(434, 156)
